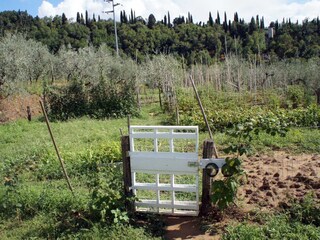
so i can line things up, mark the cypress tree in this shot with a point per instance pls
(262, 23)
(81, 19)
(169, 21)
(190, 19)
(210, 20)
(78, 17)
(236, 18)
(87, 18)
(131, 18)
(252, 26)
(218, 18)
(64, 19)
(225, 23)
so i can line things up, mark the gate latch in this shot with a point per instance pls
(212, 165)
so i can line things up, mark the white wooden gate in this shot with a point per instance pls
(162, 160)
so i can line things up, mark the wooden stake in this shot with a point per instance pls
(125, 147)
(56, 148)
(208, 152)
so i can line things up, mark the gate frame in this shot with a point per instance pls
(208, 153)
(169, 162)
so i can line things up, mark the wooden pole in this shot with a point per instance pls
(208, 152)
(29, 113)
(204, 116)
(56, 148)
(128, 123)
(125, 147)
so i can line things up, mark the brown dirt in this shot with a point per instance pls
(276, 178)
(15, 107)
(272, 181)
(186, 228)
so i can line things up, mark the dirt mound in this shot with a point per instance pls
(277, 178)
(15, 107)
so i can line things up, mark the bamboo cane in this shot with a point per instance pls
(56, 148)
(204, 116)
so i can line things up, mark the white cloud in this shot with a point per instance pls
(71, 7)
(271, 10)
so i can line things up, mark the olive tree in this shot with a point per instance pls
(22, 61)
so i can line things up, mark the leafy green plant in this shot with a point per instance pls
(295, 95)
(106, 191)
(306, 211)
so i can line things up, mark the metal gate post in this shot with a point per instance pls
(208, 152)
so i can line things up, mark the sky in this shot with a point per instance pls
(271, 10)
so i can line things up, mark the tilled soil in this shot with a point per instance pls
(277, 178)
(272, 180)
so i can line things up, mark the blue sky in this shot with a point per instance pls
(271, 9)
(30, 5)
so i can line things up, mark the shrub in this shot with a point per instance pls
(103, 100)
(306, 211)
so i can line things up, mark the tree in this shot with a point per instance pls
(210, 22)
(87, 19)
(218, 18)
(262, 23)
(190, 18)
(21, 61)
(151, 21)
(132, 17)
(225, 23)
(177, 21)
(165, 21)
(78, 17)
(169, 20)
(252, 26)
(81, 19)
(236, 18)
(64, 19)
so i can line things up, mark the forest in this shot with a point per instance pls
(202, 42)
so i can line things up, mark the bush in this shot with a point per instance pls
(306, 210)
(103, 100)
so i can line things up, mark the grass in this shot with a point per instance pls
(296, 141)
(276, 227)
(22, 138)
